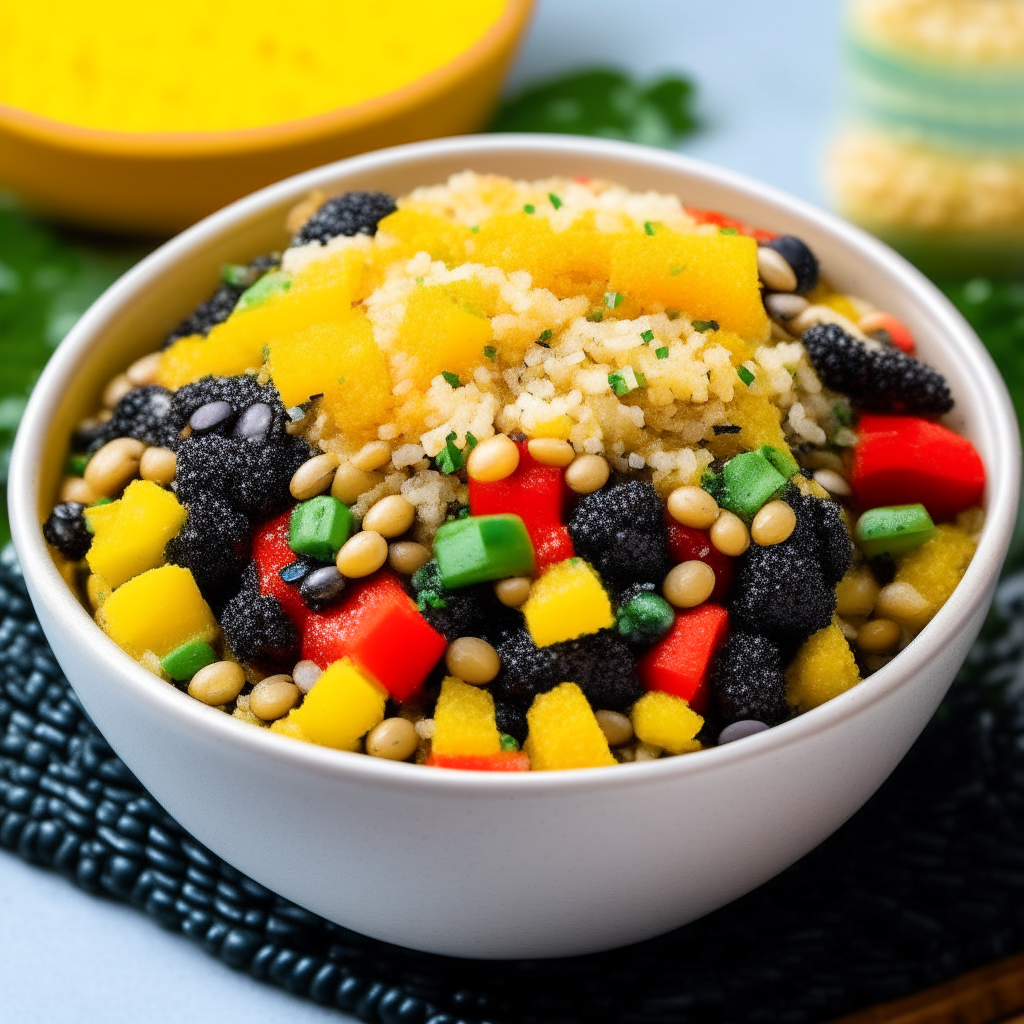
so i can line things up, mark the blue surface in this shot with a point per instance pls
(768, 77)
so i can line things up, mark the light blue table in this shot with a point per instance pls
(769, 81)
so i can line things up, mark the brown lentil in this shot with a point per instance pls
(371, 456)
(472, 660)
(394, 739)
(774, 523)
(349, 483)
(74, 488)
(143, 371)
(116, 390)
(158, 465)
(774, 270)
(493, 459)
(587, 473)
(514, 591)
(617, 727)
(689, 584)
(879, 636)
(273, 697)
(900, 601)
(361, 554)
(218, 683)
(116, 464)
(729, 534)
(552, 451)
(391, 516)
(406, 556)
(313, 477)
(693, 506)
(305, 674)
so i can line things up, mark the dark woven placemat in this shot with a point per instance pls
(926, 882)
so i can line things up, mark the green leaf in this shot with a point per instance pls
(648, 336)
(555, 201)
(661, 353)
(530, 208)
(705, 325)
(490, 352)
(452, 378)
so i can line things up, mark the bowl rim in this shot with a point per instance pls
(61, 605)
(510, 25)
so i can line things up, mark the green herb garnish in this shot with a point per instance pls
(419, 280)
(555, 201)
(475, 228)
(530, 208)
(618, 384)
(613, 299)
(490, 351)
(76, 464)
(452, 378)
(676, 271)
(728, 231)
(745, 375)
(661, 353)
(595, 316)
(649, 227)
(672, 314)
(648, 336)
(544, 336)
(705, 325)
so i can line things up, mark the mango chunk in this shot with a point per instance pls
(707, 277)
(933, 570)
(158, 611)
(342, 707)
(464, 720)
(564, 732)
(666, 721)
(759, 420)
(822, 669)
(129, 534)
(566, 602)
(438, 334)
(341, 360)
(421, 231)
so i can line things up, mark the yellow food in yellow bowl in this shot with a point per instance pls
(136, 118)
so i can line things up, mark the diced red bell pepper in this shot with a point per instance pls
(903, 460)
(895, 330)
(271, 552)
(539, 495)
(378, 626)
(686, 544)
(680, 663)
(506, 761)
(713, 217)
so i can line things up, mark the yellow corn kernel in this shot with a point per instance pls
(822, 669)
(340, 360)
(341, 708)
(666, 721)
(934, 569)
(129, 535)
(564, 732)
(705, 276)
(566, 602)
(464, 720)
(157, 611)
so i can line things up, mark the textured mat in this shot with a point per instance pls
(926, 882)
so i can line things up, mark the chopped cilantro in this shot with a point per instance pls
(649, 226)
(618, 384)
(555, 201)
(648, 336)
(419, 280)
(728, 231)
(745, 375)
(641, 379)
(449, 458)
(672, 314)
(544, 336)
(475, 228)
(490, 351)
(613, 299)
(452, 378)
(841, 412)
(705, 325)
(530, 208)
(595, 316)
(661, 353)
(676, 271)
(623, 381)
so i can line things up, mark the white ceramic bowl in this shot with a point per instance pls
(475, 864)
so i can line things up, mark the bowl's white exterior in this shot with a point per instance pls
(473, 864)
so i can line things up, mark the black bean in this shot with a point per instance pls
(321, 587)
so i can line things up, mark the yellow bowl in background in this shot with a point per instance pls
(160, 182)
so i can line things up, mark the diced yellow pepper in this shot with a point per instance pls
(420, 231)
(129, 534)
(566, 602)
(822, 669)
(666, 721)
(341, 708)
(157, 611)
(558, 426)
(707, 277)
(440, 334)
(340, 360)
(934, 569)
(464, 720)
(564, 732)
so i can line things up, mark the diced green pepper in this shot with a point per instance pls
(893, 530)
(748, 482)
(478, 549)
(185, 661)
(319, 527)
(781, 459)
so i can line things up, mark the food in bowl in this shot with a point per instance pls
(521, 476)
